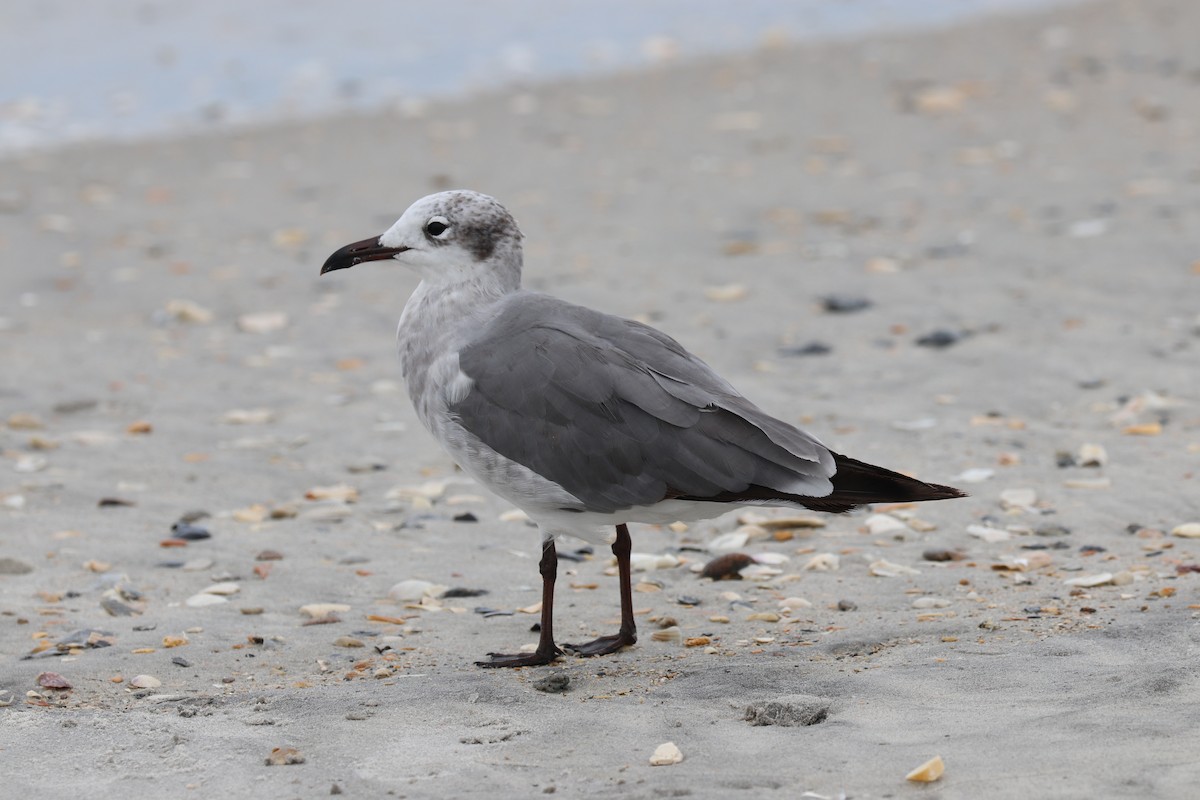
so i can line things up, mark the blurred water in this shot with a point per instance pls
(85, 69)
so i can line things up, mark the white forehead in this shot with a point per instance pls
(461, 207)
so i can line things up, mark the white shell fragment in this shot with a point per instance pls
(886, 569)
(666, 754)
(1088, 581)
(879, 524)
(145, 682)
(975, 475)
(930, 602)
(928, 772)
(413, 589)
(988, 533)
(323, 610)
(793, 603)
(1019, 499)
(204, 599)
(1188, 530)
(648, 562)
(223, 588)
(1092, 455)
(823, 562)
(728, 542)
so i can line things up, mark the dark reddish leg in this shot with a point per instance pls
(546, 651)
(627, 635)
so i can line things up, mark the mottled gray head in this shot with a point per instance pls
(448, 237)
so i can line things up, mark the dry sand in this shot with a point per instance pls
(1033, 183)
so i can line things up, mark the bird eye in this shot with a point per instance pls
(436, 227)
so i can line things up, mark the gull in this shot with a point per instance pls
(584, 420)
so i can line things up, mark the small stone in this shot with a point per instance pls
(687, 600)
(666, 754)
(844, 304)
(930, 602)
(726, 567)
(465, 516)
(187, 311)
(554, 683)
(14, 566)
(939, 339)
(764, 616)
(348, 641)
(269, 555)
(52, 680)
(283, 756)
(794, 603)
(180, 661)
(928, 772)
(6, 698)
(189, 532)
(174, 641)
(942, 555)
(846, 605)
(697, 641)
(225, 588)
(145, 682)
(196, 564)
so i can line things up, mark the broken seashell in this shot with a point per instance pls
(928, 772)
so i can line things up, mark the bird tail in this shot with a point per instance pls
(857, 483)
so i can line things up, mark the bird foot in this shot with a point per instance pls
(602, 646)
(535, 659)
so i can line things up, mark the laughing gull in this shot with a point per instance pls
(584, 420)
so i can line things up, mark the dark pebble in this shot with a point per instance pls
(335, 789)
(1064, 459)
(464, 592)
(195, 515)
(1092, 383)
(942, 555)
(847, 605)
(844, 304)
(940, 339)
(143, 628)
(189, 532)
(118, 608)
(557, 681)
(170, 564)
(811, 349)
(466, 516)
(75, 406)
(113, 502)
(492, 612)
(180, 661)
(790, 712)
(269, 555)
(726, 567)
(1053, 530)
(1089, 549)
(688, 600)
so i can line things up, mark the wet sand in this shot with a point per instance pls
(1025, 191)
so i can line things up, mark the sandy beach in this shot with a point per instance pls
(1018, 202)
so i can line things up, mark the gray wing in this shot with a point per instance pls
(620, 415)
